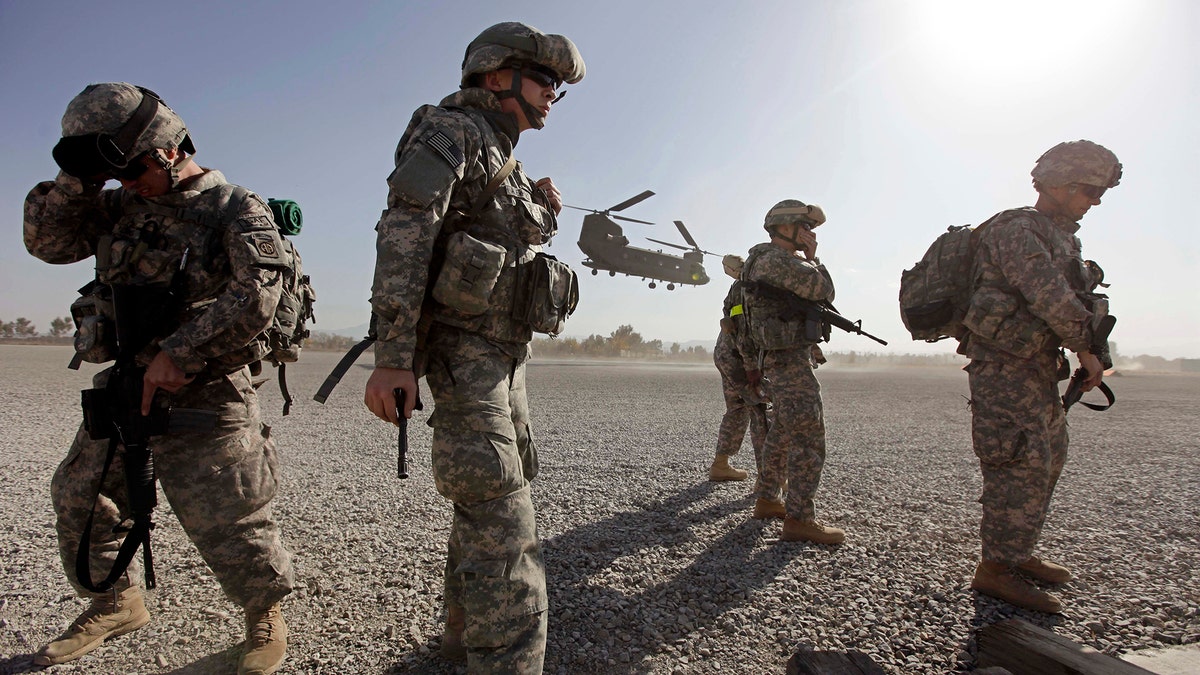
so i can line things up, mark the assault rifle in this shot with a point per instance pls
(114, 413)
(818, 316)
(1100, 349)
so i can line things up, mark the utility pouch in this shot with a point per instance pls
(95, 332)
(547, 292)
(469, 274)
(101, 416)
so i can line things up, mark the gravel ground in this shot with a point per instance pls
(651, 568)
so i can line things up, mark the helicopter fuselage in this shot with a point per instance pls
(607, 249)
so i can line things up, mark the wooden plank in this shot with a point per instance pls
(1024, 648)
(854, 662)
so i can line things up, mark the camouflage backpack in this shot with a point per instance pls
(289, 327)
(935, 293)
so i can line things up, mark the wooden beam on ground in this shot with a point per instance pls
(854, 662)
(1024, 648)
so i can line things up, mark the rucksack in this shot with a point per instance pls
(935, 293)
(289, 327)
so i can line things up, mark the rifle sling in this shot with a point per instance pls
(1108, 394)
(340, 369)
(138, 535)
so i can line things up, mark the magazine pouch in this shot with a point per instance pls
(469, 274)
(547, 293)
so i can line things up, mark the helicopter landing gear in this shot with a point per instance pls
(594, 272)
(612, 273)
(670, 287)
(653, 285)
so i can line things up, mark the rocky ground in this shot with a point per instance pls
(651, 568)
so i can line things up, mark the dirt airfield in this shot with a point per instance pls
(651, 568)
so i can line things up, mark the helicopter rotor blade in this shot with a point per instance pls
(632, 220)
(580, 208)
(631, 201)
(687, 236)
(667, 243)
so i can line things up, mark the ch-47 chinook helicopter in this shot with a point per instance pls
(607, 248)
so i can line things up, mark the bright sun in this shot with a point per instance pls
(1018, 41)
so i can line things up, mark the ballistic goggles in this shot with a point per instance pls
(103, 154)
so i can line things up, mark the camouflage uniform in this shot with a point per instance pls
(219, 482)
(794, 450)
(1025, 307)
(742, 405)
(483, 453)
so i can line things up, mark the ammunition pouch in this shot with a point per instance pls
(95, 330)
(102, 410)
(469, 274)
(547, 292)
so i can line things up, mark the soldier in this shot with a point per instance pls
(1031, 299)
(739, 383)
(461, 226)
(794, 450)
(165, 228)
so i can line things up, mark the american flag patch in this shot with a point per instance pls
(446, 148)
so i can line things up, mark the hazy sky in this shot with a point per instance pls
(898, 117)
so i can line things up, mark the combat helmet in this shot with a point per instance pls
(1082, 162)
(109, 125)
(791, 211)
(512, 44)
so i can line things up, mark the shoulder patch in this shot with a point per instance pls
(445, 147)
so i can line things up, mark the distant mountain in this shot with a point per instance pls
(357, 332)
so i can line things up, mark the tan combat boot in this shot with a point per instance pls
(108, 616)
(766, 508)
(266, 642)
(721, 470)
(453, 648)
(997, 580)
(811, 530)
(1045, 571)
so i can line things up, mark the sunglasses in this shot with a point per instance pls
(543, 77)
(1091, 191)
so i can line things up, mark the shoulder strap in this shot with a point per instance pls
(492, 186)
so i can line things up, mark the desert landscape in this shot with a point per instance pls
(651, 568)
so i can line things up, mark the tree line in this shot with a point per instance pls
(23, 328)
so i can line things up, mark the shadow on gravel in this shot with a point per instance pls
(989, 611)
(630, 624)
(22, 663)
(219, 663)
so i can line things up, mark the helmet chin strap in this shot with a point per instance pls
(534, 116)
(1060, 210)
(172, 168)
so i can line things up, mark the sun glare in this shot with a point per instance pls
(1018, 41)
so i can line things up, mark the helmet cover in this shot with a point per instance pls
(791, 211)
(1081, 161)
(511, 43)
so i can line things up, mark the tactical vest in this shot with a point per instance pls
(771, 324)
(998, 317)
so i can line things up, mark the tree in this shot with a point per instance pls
(624, 339)
(674, 349)
(24, 328)
(60, 326)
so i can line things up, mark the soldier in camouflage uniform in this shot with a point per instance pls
(158, 229)
(735, 360)
(467, 342)
(1031, 298)
(794, 450)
